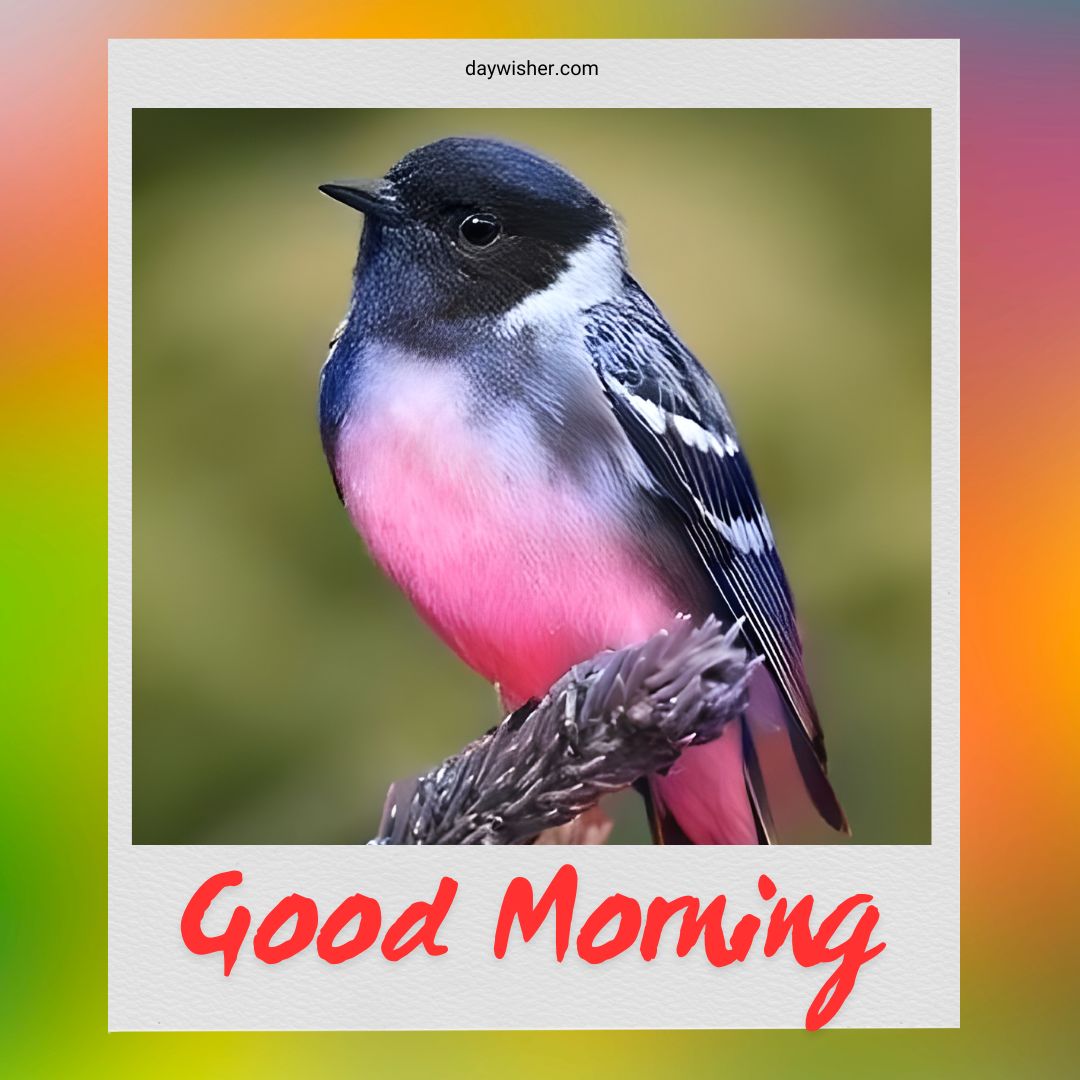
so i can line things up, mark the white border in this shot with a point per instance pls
(154, 983)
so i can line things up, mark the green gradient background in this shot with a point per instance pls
(279, 682)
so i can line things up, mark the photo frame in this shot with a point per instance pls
(156, 980)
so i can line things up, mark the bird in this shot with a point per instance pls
(534, 457)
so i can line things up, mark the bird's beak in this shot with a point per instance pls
(376, 198)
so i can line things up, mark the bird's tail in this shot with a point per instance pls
(706, 797)
(716, 794)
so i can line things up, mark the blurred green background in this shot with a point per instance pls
(280, 683)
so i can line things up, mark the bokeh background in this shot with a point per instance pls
(280, 682)
(1020, 147)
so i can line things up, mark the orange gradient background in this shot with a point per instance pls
(1020, 513)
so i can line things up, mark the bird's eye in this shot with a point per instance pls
(480, 230)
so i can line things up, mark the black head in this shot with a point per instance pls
(467, 228)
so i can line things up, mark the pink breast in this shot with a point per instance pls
(513, 567)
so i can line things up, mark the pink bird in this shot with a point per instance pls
(545, 470)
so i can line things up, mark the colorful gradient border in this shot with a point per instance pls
(1020, 514)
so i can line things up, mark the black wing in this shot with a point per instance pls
(677, 421)
(334, 397)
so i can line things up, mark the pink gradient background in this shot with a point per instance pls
(1020, 513)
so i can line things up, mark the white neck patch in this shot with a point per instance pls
(593, 275)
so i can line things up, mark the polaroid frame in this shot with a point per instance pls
(155, 983)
